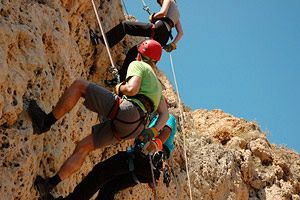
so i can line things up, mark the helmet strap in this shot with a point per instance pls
(139, 58)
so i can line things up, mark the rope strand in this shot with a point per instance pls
(182, 127)
(153, 178)
(124, 6)
(174, 176)
(113, 67)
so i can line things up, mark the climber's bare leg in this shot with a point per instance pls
(74, 162)
(70, 97)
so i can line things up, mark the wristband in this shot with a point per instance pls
(158, 143)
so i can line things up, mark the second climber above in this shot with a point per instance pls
(159, 28)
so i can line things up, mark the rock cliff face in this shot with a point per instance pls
(45, 45)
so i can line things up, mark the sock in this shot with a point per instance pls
(50, 120)
(54, 180)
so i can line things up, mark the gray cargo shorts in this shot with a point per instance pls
(100, 100)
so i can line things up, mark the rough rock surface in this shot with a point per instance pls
(45, 46)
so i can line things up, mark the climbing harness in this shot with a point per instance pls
(113, 116)
(148, 104)
(182, 127)
(164, 19)
(112, 68)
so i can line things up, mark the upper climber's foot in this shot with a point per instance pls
(38, 117)
(94, 38)
(43, 187)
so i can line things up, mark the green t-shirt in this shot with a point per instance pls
(150, 85)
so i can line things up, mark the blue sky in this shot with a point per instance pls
(242, 57)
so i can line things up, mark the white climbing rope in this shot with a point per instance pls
(146, 8)
(182, 127)
(125, 8)
(113, 67)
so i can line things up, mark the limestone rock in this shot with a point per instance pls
(45, 45)
(262, 149)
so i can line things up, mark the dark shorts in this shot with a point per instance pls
(100, 100)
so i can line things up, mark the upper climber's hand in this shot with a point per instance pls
(170, 47)
(151, 18)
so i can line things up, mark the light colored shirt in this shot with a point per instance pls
(173, 12)
(150, 86)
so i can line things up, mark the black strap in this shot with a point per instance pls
(146, 101)
(142, 119)
(131, 167)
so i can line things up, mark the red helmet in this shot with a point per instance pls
(151, 49)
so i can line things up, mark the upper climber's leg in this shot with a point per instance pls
(116, 34)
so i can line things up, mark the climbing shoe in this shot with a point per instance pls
(94, 38)
(38, 117)
(43, 187)
(49, 197)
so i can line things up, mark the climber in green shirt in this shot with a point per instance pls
(126, 110)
